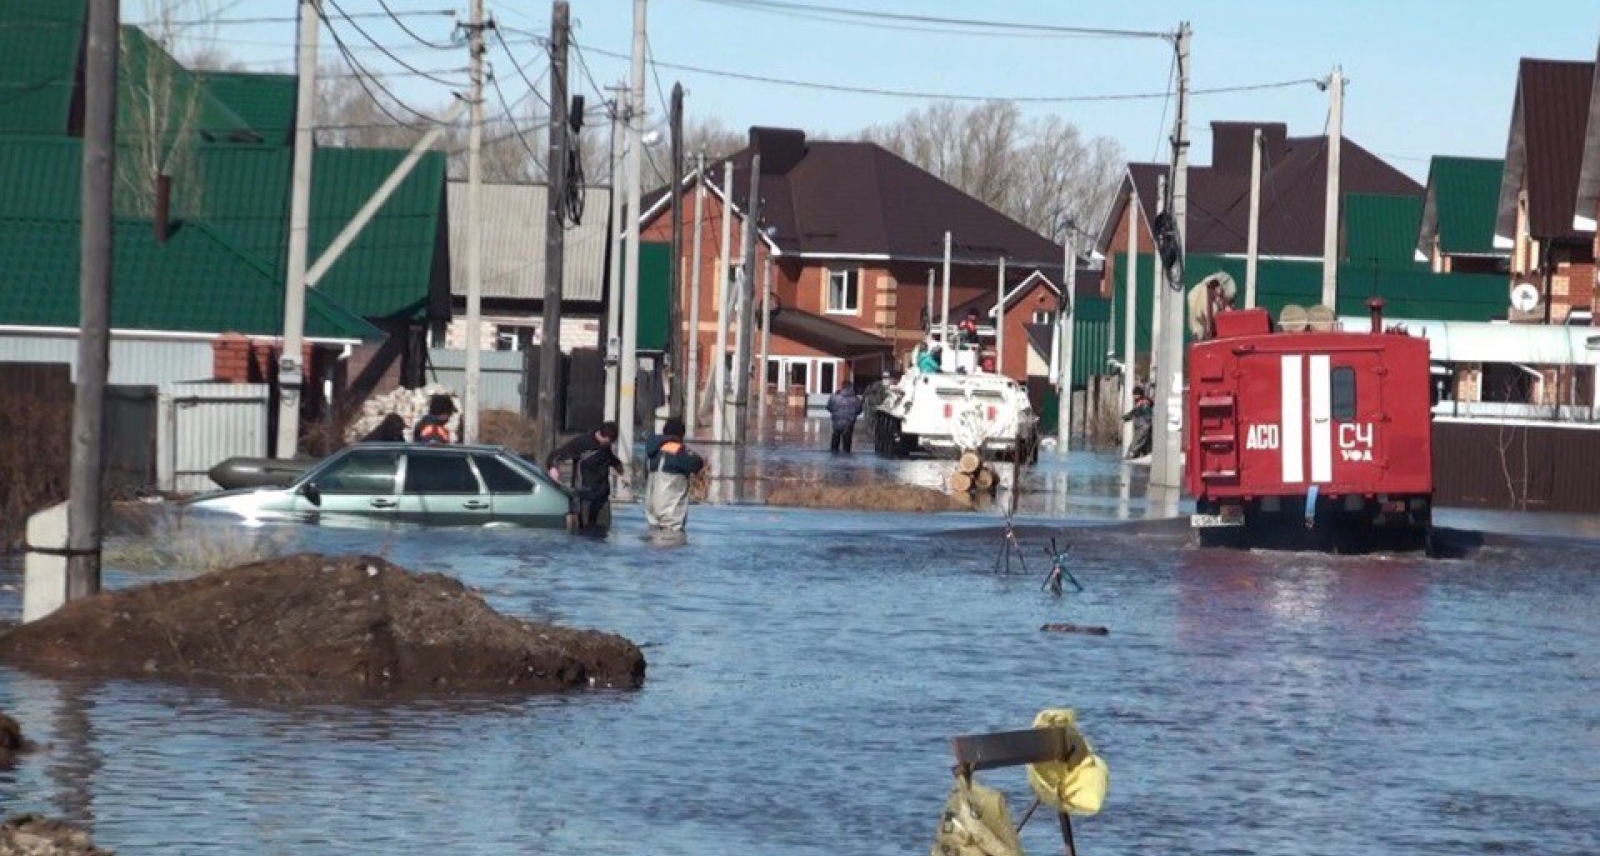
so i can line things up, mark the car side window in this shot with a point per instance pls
(430, 474)
(367, 471)
(499, 477)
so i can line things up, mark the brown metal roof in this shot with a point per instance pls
(827, 335)
(1293, 189)
(1544, 148)
(832, 198)
(1588, 202)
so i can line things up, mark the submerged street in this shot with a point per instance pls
(806, 669)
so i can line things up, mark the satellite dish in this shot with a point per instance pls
(1525, 297)
(1293, 319)
(1320, 318)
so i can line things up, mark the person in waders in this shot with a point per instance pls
(592, 464)
(672, 464)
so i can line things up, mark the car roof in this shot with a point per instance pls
(433, 447)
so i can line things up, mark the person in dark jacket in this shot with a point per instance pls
(593, 461)
(843, 406)
(435, 427)
(391, 430)
(672, 464)
(1141, 415)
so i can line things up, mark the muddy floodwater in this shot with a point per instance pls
(808, 667)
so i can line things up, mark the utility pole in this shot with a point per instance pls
(1330, 210)
(766, 336)
(630, 299)
(1253, 250)
(1130, 330)
(1066, 318)
(614, 274)
(676, 341)
(1000, 317)
(471, 402)
(555, 231)
(929, 297)
(84, 530)
(747, 318)
(944, 310)
(719, 372)
(1166, 460)
(290, 370)
(691, 409)
(1157, 294)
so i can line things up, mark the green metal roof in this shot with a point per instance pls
(266, 102)
(1466, 198)
(397, 267)
(39, 45)
(1413, 292)
(157, 96)
(195, 282)
(1381, 229)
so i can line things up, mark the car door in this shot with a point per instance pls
(359, 485)
(441, 489)
(519, 496)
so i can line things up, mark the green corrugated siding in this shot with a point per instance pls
(39, 45)
(1091, 338)
(655, 275)
(1382, 229)
(264, 101)
(1467, 201)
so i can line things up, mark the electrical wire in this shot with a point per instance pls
(393, 16)
(887, 18)
(505, 105)
(219, 21)
(521, 68)
(388, 53)
(362, 77)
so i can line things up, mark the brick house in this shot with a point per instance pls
(1458, 216)
(851, 236)
(1537, 218)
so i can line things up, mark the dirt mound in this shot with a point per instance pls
(32, 835)
(320, 626)
(889, 497)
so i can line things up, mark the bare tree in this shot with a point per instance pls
(1033, 171)
(161, 114)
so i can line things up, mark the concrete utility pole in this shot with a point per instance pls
(1253, 250)
(1066, 319)
(555, 232)
(929, 297)
(1157, 277)
(719, 372)
(1330, 210)
(691, 409)
(290, 371)
(630, 300)
(944, 309)
(1000, 317)
(766, 334)
(84, 530)
(471, 404)
(614, 274)
(1166, 461)
(747, 318)
(675, 290)
(1130, 330)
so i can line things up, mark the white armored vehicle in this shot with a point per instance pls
(959, 408)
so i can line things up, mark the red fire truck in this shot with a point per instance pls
(1320, 438)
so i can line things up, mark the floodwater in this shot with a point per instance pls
(807, 669)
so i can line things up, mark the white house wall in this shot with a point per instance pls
(134, 362)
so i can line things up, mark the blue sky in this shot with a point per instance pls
(1426, 76)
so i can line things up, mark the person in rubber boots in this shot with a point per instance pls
(672, 464)
(593, 461)
(843, 406)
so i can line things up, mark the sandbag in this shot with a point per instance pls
(1075, 786)
(976, 822)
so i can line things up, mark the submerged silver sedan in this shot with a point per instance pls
(393, 483)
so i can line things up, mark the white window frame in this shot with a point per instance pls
(813, 368)
(1049, 317)
(850, 274)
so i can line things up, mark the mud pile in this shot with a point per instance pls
(888, 497)
(320, 626)
(32, 835)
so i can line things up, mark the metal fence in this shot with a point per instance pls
(202, 424)
(499, 383)
(1516, 465)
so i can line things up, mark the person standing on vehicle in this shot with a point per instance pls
(843, 406)
(435, 427)
(672, 464)
(592, 463)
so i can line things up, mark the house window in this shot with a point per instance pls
(844, 292)
(1043, 316)
(826, 372)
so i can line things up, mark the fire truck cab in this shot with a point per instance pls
(1318, 435)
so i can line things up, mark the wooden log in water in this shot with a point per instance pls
(1085, 629)
(970, 462)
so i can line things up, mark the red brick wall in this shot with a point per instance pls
(236, 358)
(1118, 248)
(1038, 298)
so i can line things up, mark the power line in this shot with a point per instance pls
(521, 68)
(505, 105)
(218, 21)
(945, 96)
(887, 18)
(356, 66)
(388, 53)
(412, 33)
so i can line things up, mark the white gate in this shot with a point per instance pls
(203, 424)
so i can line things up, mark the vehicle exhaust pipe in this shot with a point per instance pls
(1375, 305)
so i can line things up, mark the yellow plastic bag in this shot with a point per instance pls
(976, 822)
(1075, 786)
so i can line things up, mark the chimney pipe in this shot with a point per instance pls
(1375, 306)
(163, 207)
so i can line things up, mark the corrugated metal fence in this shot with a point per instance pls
(1516, 465)
(499, 384)
(202, 424)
